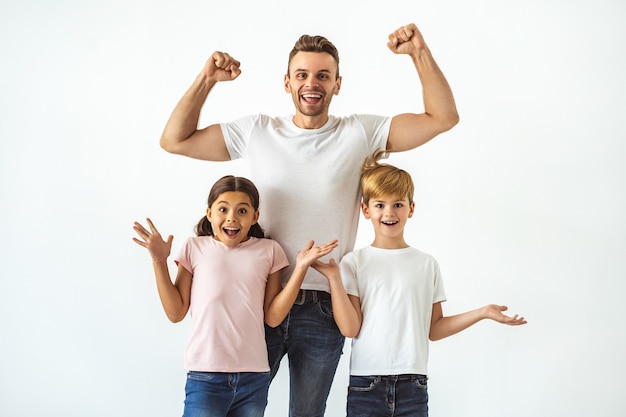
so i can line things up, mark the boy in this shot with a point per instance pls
(388, 297)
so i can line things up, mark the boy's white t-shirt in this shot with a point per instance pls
(308, 179)
(227, 295)
(397, 289)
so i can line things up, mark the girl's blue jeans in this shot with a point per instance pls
(218, 394)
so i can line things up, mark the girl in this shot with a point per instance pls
(229, 279)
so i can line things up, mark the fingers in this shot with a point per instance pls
(152, 227)
(327, 248)
(496, 313)
(147, 235)
(332, 244)
(516, 321)
(310, 254)
(139, 242)
(330, 270)
(402, 34)
(225, 62)
(406, 40)
(141, 231)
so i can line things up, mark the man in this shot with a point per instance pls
(307, 169)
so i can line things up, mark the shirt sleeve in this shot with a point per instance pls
(280, 258)
(237, 135)
(439, 293)
(347, 269)
(376, 130)
(183, 258)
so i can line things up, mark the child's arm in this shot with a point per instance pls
(279, 301)
(174, 297)
(346, 308)
(442, 327)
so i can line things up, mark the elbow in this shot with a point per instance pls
(175, 318)
(272, 323)
(166, 144)
(177, 315)
(434, 336)
(449, 121)
(350, 331)
(350, 334)
(273, 320)
(454, 120)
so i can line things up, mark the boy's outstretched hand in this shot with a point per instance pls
(159, 249)
(495, 312)
(330, 269)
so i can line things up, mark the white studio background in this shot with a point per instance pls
(522, 203)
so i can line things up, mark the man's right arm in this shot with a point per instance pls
(181, 134)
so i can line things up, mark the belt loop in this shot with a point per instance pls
(314, 293)
(301, 297)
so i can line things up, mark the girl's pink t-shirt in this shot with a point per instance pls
(227, 294)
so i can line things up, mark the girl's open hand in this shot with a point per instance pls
(159, 249)
(310, 254)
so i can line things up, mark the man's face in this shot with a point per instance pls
(312, 82)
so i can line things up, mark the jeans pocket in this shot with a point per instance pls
(363, 383)
(421, 381)
(201, 376)
(326, 308)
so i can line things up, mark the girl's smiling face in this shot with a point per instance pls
(231, 216)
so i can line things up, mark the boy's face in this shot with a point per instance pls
(389, 216)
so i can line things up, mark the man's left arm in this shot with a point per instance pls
(410, 130)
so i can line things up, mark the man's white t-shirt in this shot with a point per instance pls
(308, 179)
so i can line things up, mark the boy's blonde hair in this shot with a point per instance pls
(384, 180)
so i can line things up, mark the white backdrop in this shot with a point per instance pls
(522, 203)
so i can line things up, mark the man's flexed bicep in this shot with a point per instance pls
(410, 130)
(207, 144)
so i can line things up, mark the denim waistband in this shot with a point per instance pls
(311, 296)
(402, 377)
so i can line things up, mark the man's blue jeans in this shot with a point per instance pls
(218, 394)
(313, 344)
(388, 396)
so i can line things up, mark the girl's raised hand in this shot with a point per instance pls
(311, 254)
(159, 249)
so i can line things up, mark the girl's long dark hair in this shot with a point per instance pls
(224, 185)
